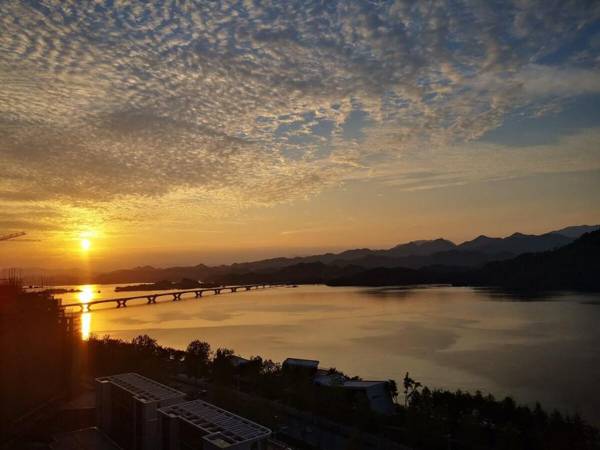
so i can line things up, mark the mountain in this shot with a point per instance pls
(149, 274)
(419, 248)
(577, 231)
(301, 273)
(516, 243)
(574, 266)
(412, 255)
(459, 258)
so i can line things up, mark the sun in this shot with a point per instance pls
(86, 244)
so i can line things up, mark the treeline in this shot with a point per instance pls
(425, 419)
(258, 376)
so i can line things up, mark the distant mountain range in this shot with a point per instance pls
(574, 266)
(415, 255)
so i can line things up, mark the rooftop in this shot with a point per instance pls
(224, 428)
(302, 362)
(143, 387)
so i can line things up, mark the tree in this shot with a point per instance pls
(410, 387)
(145, 345)
(222, 366)
(197, 358)
(393, 389)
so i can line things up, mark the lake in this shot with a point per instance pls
(544, 349)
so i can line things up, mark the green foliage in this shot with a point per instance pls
(197, 358)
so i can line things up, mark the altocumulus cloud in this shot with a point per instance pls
(248, 102)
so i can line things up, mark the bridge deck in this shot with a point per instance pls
(152, 296)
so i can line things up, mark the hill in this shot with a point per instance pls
(414, 255)
(574, 266)
(516, 243)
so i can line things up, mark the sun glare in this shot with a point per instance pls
(85, 244)
(86, 294)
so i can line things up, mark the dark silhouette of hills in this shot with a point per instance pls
(417, 254)
(420, 248)
(149, 274)
(516, 243)
(461, 258)
(577, 230)
(301, 273)
(412, 255)
(575, 266)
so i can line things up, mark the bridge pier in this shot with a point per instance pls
(152, 297)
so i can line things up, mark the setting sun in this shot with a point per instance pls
(85, 244)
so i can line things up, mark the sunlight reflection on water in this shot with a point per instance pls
(458, 338)
(85, 296)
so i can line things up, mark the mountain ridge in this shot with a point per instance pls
(412, 255)
(574, 266)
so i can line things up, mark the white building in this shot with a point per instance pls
(127, 409)
(376, 392)
(200, 425)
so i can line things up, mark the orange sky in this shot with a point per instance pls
(198, 133)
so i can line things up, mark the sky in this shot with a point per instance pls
(180, 132)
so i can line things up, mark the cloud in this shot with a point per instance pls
(540, 80)
(117, 105)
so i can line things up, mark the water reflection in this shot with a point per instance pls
(450, 337)
(86, 325)
(85, 296)
(524, 295)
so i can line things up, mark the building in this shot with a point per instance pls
(127, 409)
(377, 393)
(300, 367)
(200, 425)
(138, 413)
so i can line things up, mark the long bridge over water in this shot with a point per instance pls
(149, 299)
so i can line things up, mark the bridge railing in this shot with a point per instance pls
(150, 298)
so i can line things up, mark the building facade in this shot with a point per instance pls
(200, 425)
(127, 409)
(138, 413)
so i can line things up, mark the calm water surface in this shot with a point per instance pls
(544, 349)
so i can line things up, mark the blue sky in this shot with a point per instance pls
(201, 110)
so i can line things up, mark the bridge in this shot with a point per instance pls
(121, 302)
